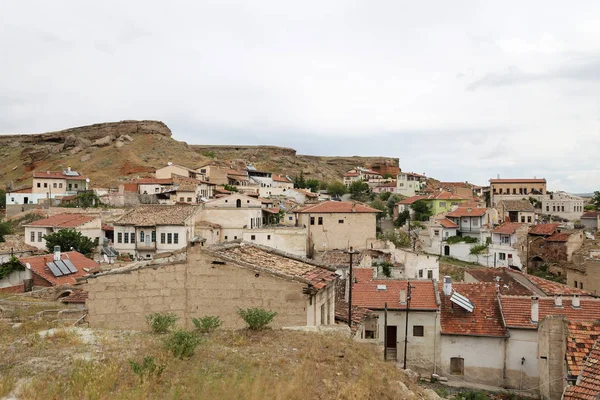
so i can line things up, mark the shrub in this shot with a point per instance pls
(161, 322)
(464, 239)
(256, 318)
(182, 344)
(147, 368)
(207, 324)
(386, 268)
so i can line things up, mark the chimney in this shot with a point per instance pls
(403, 296)
(535, 310)
(69, 168)
(575, 302)
(447, 285)
(375, 272)
(56, 253)
(558, 301)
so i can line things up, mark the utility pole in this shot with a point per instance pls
(385, 333)
(406, 325)
(351, 252)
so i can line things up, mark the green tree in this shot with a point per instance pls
(86, 199)
(2, 199)
(392, 201)
(337, 189)
(385, 195)
(313, 185)
(5, 229)
(379, 205)
(596, 200)
(402, 218)
(421, 209)
(359, 190)
(478, 250)
(230, 188)
(69, 239)
(299, 181)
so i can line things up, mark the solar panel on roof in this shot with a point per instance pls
(63, 268)
(54, 269)
(70, 173)
(70, 265)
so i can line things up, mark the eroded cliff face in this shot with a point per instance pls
(110, 153)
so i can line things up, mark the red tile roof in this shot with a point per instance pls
(307, 193)
(158, 181)
(508, 228)
(446, 223)
(337, 207)
(508, 284)
(359, 315)
(580, 341)
(445, 196)
(38, 267)
(78, 296)
(23, 190)
(106, 227)
(130, 187)
(588, 383)
(57, 175)
(591, 214)
(350, 174)
(365, 293)
(467, 212)
(553, 288)
(517, 310)
(559, 237)
(411, 200)
(281, 178)
(543, 229)
(517, 180)
(63, 221)
(486, 318)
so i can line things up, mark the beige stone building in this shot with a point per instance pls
(288, 239)
(173, 169)
(337, 225)
(148, 230)
(509, 189)
(563, 205)
(521, 211)
(233, 215)
(58, 183)
(216, 281)
(87, 225)
(214, 173)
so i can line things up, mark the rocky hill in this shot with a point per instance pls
(109, 153)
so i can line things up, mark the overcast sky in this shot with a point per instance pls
(459, 90)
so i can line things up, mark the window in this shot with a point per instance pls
(529, 218)
(156, 190)
(235, 237)
(189, 199)
(162, 238)
(39, 185)
(33, 240)
(436, 232)
(442, 204)
(225, 237)
(268, 237)
(169, 238)
(176, 238)
(60, 185)
(119, 237)
(547, 208)
(132, 235)
(429, 274)
(580, 285)
(501, 256)
(126, 237)
(153, 236)
(418, 330)
(54, 185)
(181, 199)
(575, 285)
(290, 218)
(45, 184)
(562, 208)
(553, 208)
(322, 314)
(238, 203)
(457, 366)
(522, 218)
(420, 273)
(252, 237)
(312, 220)
(142, 236)
(76, 185)
(340, 221)
(320, 220)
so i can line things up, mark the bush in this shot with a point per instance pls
(161, 322)
(256, 318)
(148, 368)
(207, 324)
(386, 268)
(464, 239)
(182, 344)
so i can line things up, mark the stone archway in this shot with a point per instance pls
(536, 262)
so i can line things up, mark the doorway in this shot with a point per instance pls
(25, 200)
(446, 250)
(391, 342)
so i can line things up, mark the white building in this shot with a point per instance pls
(563, 205)
(508, 241)
(87, 225)
(408, 183)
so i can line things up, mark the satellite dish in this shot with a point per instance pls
(28, 265)
(105, 258)
(87, 180)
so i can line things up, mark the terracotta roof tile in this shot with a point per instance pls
(63, 221)
(517, 310)
(280, 178)
(445, 196)
(158, 181)
(38, 267)
(365, 292)
(16, 244)
(307, 193)
(507, 283)
(553, 288)
(588, 383)
(57, 175)
(543, 229)
(508, 228)
(338, 207)
(78, 296)
(338, 258)
(467, 212)
(446, 223)
(152, 215)
(411, 200)
(580, 341)
(359, 315)
(486, 318)
(517, 205)
(591, 214)
(559, 237)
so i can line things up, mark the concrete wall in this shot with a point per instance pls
(552, 344)
(169, 171)
(290, 240)
(415, 262)
(355, 230)
(199, 288)
(483, 358)
(590, 278)
(15, 278)
(522, 343)
(233, 221)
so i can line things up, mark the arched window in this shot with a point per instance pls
(238, 203)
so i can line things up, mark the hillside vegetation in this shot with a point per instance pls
(137, 148)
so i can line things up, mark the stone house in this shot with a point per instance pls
(148, 230)
(507, 248)
(288, 239)
(233, 215)
(405, 205)
(174, 169)
(337, 225)
(423, 317)
(584, 272)
(302, 196)
(215, 281)
(556, 249)
(590, 219)
(360, 174)
(563, 205)
(87, 225)
(153, 185)
(214, 173)
(516, 211)
(279, 187)
(471, 221)
(442, 202)
(408, 183)
(513, 189)
(58, 183)
(14, 245)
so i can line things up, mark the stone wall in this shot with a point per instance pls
(552, 344)
(193, 289)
